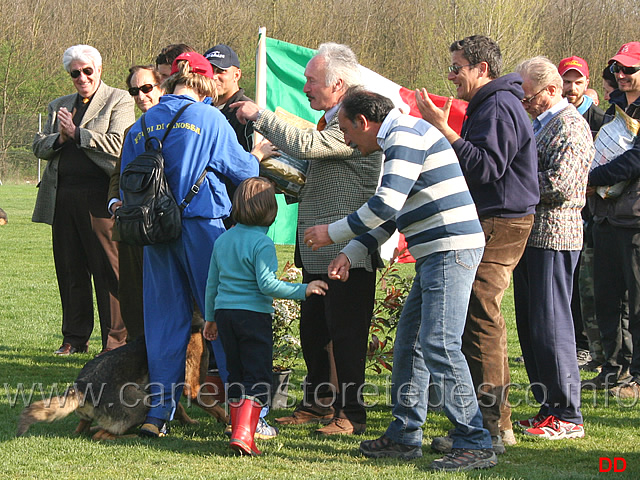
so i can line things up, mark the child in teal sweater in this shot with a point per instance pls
(241, 286)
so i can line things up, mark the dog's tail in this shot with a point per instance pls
(49, 410)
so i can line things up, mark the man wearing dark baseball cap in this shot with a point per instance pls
(226, 75)
(617, 235)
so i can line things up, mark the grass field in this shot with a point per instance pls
(30, 320)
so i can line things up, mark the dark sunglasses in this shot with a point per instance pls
(615, 68)
(146, 88)
(455, 69)
(88, 71)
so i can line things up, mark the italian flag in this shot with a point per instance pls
(279, 81)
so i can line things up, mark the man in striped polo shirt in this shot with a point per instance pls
(424, 195)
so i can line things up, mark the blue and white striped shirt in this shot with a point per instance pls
(422, 193)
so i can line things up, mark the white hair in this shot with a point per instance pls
(340, 64)
(541, 71)
(82, 53)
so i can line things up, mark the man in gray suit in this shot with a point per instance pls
(339, 180)
(81, 141)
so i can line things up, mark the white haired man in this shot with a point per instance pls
(543, 279)
(339, 180)
(82, 140)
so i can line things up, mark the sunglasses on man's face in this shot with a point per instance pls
(146, 88)
(88, 71)
(455, 69)
(615, 68)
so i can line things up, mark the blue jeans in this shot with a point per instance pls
(428, 343)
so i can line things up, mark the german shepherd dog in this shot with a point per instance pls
(111, 390)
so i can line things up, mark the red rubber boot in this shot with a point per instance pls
(247, 415)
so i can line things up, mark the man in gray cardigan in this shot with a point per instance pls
(81, 142)
(339, 181)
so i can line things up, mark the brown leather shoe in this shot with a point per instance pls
(67, 349)
(300, 417)
(342, 426)
(104, 350)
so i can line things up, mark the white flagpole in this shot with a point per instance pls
(261, 74)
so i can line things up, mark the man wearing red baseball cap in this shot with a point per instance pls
(575, 80)
(617, 235)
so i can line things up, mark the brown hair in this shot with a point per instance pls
(169, 53)
(254, 202)
(137, 68)
(203, 85)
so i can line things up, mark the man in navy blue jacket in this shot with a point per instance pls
(497, 153)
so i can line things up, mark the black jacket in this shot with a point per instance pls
(243, 132)
(623, 211)
(627, 165)
(595, 118)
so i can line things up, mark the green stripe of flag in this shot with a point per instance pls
(285, 80)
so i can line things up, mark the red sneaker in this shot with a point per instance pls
(531, 422)
(552, 428)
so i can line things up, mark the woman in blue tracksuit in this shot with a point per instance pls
(176, 273)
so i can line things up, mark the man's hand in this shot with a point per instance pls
(317, 287)
(590, 191)
(115, 206)
(66, 127)
(246, 111)
(438, 117)
(265, 149)
(316, 237)
(339, 268)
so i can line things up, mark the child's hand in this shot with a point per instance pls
(210, 331)
(318, 287)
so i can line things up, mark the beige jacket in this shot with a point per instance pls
(110, 112)
(340, 180)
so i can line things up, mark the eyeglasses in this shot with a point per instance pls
(615, 68)
(455, 69)
(146, 88)
(88, 71)
(529, 99)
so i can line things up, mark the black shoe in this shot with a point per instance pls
(624, 377)
(67, 349)
(462, 459)
(445, 444)
(592, 366)
(602, 381)
(384, 447)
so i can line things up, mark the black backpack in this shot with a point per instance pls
(149, 212)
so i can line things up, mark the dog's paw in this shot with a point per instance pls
(103, 435)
